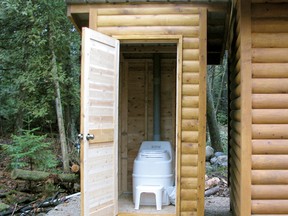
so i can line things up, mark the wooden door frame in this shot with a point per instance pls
(172, 39)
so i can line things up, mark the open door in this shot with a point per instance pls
(99, 124)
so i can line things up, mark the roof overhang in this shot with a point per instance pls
(217, 21)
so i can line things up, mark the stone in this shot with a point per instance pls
(209, 152)
(222, 159)
(213, 160)
(224, 164)
(217, 154)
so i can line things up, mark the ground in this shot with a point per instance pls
(217, 206)
(16, 194)
(69, 208)
(214, 206)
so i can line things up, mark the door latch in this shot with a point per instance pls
(80, 136)
(77, 144)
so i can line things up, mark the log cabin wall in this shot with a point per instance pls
(259, 117)
(240, 108)
(269, 107)
(191, 24)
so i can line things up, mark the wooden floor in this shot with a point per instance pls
(126, 207)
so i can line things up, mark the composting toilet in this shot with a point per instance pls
(153, 166)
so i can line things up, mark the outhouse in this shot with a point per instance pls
(258, 50)
(124, 44)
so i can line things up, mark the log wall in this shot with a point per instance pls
(235, 118)
(240, 109)
(259, 108)
(191, 24)
(269, 31)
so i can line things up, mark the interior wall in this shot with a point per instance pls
(136, 115)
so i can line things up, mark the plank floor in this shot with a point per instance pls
(126, 205)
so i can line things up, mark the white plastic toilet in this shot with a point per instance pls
(153, 166)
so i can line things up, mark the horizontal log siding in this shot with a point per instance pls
(240, 109)
(173, 20)
(235, 118)
(270, 108)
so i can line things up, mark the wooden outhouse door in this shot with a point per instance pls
(99, 123)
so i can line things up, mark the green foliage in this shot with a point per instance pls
(27, 94)
(224, 139)
(218, 171)
(31, 150)
(222, 118)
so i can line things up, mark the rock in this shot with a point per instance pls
(217, 154)
(225, 164)
(209, 152)
(4, 207)
(213, 160)
(220, 161)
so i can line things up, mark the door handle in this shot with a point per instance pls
(90, 137)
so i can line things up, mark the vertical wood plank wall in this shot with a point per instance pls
(171, 19)
(270, 108)
(240, 106)
(137, 110)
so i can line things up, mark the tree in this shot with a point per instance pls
(213, 128)
(37, 64)
(222, 86)
(31, 150)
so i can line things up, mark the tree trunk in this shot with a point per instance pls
(60, 119)
(211, 71)
(212, 191)
(212, 122)
(224, 77)
(70, 125)
(42, 176)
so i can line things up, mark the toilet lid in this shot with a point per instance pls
(154, 153)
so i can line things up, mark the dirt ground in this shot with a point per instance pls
(217, 206)
(214, 206)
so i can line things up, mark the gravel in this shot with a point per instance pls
(214, 206)
(217, 206)
(69, 208)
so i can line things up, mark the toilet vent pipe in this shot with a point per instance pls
(156, 96)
